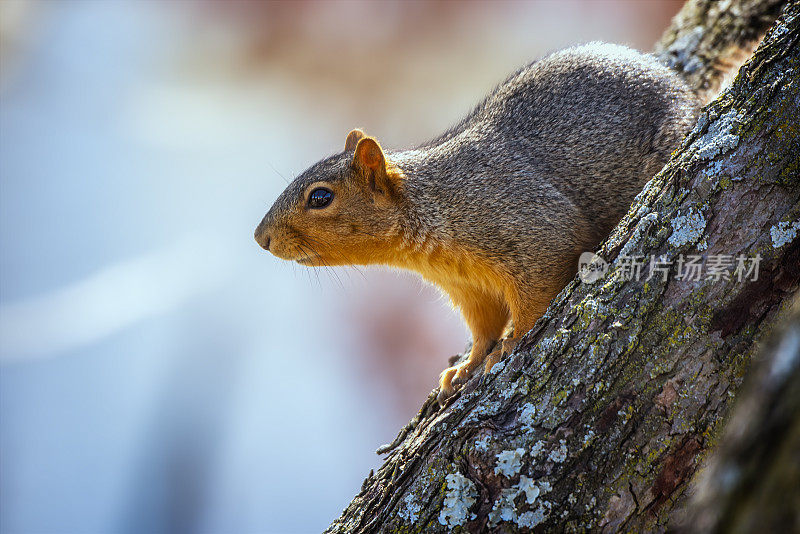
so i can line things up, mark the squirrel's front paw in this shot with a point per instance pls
(463, 372)
(451, 377)
(492, 358)
(507, 345)
(446, 388)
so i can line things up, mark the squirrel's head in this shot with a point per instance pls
(344, 210)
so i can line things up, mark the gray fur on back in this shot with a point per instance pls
(567, 140)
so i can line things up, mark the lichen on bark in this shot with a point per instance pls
(620, 391)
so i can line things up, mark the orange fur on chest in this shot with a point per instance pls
(463, 274)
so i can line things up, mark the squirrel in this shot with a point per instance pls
(497, 210)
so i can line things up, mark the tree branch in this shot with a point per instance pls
(604, 411)
(751, 482)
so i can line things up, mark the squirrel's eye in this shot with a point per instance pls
(319, 198)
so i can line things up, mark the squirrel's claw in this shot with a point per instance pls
(453, 377)
(462, 377)
(446, 388)
(443, 395)
(508, 345)
(493, 357)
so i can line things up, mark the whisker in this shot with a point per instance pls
(343, 256)
(332, 272)
(364, 232)
(327, 267)
(278, 172)
(308, 246)
(305, 251)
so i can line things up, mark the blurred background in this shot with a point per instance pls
(159, 372)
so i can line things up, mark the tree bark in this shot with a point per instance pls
(708, 37)
(604, 412)
(751, 482)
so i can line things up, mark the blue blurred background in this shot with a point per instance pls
(159, 371)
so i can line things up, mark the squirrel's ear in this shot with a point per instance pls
(371, 164)
(352, 140)
(369, 155)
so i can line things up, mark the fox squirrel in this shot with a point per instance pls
(497, 210)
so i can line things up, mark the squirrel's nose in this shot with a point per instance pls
(262, 238)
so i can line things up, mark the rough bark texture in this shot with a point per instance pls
(603, 413)
(708, 37)
(752, 482)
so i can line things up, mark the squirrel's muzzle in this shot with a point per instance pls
(262, 236)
